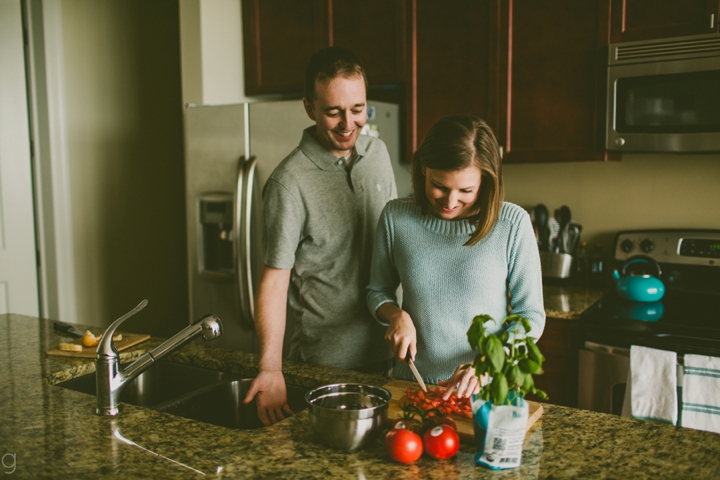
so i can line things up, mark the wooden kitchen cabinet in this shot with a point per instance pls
(560, 343)
(375, 31)
(634, 20)
(535, 71)
(551, 89)
(451, 51)
(278, 39)
(280, 36)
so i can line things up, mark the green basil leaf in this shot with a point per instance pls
(499, 389)
(531, 366)
(495, 352)
(514, 377)
(474, 334)
(534, 351)
(527, 382)
(526, 324)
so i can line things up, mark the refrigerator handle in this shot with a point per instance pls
(242, 234)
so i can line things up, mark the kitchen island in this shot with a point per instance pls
(51, 432)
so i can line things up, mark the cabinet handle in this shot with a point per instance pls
(712, 21)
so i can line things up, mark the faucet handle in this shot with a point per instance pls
(105, 347)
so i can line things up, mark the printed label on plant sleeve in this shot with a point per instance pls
(505, 436)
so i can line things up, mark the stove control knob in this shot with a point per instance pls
(627, 245)
(647, 245)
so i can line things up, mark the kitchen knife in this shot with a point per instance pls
(68, 329)
(415, 372)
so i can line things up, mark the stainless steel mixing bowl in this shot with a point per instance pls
(348, 415)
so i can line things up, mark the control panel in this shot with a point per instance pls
(685, 247)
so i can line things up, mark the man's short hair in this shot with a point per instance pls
(330, 63)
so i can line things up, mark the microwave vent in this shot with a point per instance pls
(686, 47)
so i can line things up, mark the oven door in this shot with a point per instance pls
(603, 373)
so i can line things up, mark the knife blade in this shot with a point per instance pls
(68, 329)
(415, 372)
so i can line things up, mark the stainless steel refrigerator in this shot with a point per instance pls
(230, 151)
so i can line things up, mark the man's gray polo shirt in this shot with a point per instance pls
(319, 219)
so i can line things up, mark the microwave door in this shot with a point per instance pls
(669, 106)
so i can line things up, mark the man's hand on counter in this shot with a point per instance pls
(269, 386)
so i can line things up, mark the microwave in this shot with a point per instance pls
(664, 95)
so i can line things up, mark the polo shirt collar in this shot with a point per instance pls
(320, 156)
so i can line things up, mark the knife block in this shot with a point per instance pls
(556, 265)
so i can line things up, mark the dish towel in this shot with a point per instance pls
(701, 393)
(651, 392)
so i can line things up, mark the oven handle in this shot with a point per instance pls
(618, 351)
(607, 349)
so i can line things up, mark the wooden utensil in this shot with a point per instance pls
(464, 424)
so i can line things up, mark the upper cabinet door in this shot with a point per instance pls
(552, 67)
(451, 47)
(279, 37)
(650, 19)
(374, 31)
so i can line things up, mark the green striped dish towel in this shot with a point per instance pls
(701, 393)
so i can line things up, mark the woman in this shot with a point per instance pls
(458, 250)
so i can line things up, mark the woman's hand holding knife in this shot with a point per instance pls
(400, 336)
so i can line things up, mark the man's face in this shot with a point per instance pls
(339, 110)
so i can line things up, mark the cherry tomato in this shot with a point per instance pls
(433, 400)
(442, 442)
(403, 446)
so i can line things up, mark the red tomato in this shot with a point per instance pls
(447, 421)
(409, 424)
(442, 442)
(403, 446)
(434, 421)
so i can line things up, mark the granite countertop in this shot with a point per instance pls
(568, 302)
(49, 431)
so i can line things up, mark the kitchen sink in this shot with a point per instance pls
(222, 404)
(158, 384)
(192, 392)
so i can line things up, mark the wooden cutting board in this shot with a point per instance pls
(464, 424)
(128, 340)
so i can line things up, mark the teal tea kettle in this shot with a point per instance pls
(639, 288)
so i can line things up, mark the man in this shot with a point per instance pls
(321, 207)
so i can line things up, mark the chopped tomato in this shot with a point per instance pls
(433, 400)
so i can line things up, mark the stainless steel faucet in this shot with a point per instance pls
(111, 380)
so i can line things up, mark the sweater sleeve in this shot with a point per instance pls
(384, 277)
(525, 276)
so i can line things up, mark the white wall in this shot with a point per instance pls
(212, 52)
(123, 117)
(641, 191)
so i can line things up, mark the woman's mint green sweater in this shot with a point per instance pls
(446, 284)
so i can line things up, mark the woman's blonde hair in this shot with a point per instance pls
(455, 143)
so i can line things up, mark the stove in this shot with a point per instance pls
(685, 320)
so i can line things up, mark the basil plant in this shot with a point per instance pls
(510, 359)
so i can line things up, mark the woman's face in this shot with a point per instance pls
(452, 195)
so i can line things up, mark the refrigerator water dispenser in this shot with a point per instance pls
(216, 222)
